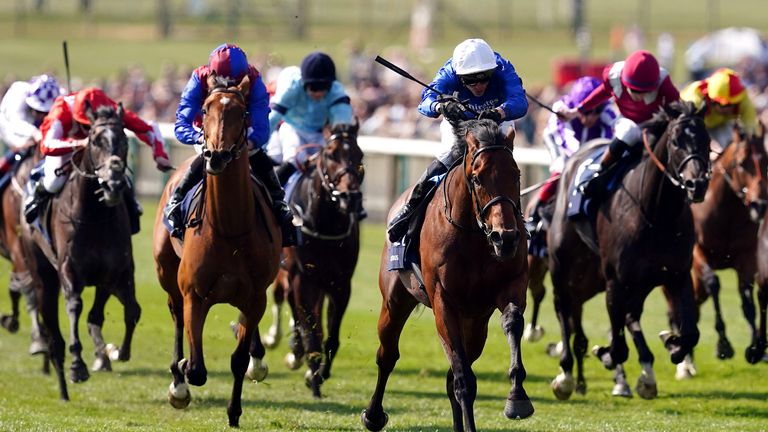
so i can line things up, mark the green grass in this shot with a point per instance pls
(726, 395)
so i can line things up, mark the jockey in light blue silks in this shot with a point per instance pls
(228, 61)
(307, 99)
(489, 85)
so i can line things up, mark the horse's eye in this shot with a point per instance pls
(475, 180)
(361, 169)
(204, 111)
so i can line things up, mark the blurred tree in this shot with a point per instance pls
(164, 18)
(85, 6)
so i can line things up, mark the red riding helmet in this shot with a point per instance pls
(95, 97)
(641, 72)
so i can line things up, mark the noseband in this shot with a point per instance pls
(330, 182)
(480, 209)
(234, 151)
(115, 162)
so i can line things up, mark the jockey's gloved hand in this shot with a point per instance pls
(451, 109)
(490, 114)
(162, 161)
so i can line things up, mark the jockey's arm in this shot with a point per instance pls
(516, 104)
(55, 141)
(748, 115)
(258, 109)
(189, 107)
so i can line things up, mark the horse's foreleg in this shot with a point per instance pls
(756, 354)
(239, 364)
(23, 283)
(295, 358)
(131, 314)
(337, 305)
(563, 385)
(11, 322)
(646, 382)
(537, 271)
(275, 331)
(449, 328)
(615, 301)
(95, 323)
(682, 344)
(308, 301)
(748, 308)
(518, 404)
(395, 311)
(195, 313)
(178, 392)
(78, 372)
(580, 346)
(49, 310)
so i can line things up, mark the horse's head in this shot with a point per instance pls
(340, 165)
(743, 165)
(225, 125)
(104, 158)
(688, 148)
(493, 179)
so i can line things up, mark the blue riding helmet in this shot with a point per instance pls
(318, 68)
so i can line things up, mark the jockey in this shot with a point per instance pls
(305, 100)
(564, 137)
(639, 86)
(230, 61)
(489, 85)
(724, 99)
(22, 110)
(65, 129)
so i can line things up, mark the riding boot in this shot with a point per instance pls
(134, 208)
(261, 165)
(285, 171)
(612, 155)
(399, 223)
(533, 222)
(34, 201)
(172, 209)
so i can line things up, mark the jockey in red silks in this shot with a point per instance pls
(639, 86)
(65, 129)
(228, 61)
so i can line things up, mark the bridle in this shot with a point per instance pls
(480, 209)
(674, 176)
(741, 193)
(114, 162)
(234, 151)
(329, 182)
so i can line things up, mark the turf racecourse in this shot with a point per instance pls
(726, 395)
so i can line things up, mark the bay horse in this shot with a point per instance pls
(230, 256)
(21, 281)
(327, 200)
(473, 261)
(762, 288)
(537, 272)
(645, 238)
(90, 244)
(726, 224)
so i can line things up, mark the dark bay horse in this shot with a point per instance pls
(762, 288)
(90, 244)
(327, 200)
(473, 262)
(644, 238)
(726, 225)
(230, 256)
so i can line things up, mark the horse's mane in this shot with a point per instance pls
(106, 112)
(660, 120)
(485, 131)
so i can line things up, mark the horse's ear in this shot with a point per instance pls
(211, 81)
(245, 85)
(735, 133)
(355, 127)
(509, 138)
(120, 111)
(326, 131)
(89, 112)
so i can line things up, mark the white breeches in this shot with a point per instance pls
(627, 131)
(52, 182)
(285, 143)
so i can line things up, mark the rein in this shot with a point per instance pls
(234, 151)
(742, 193)
(673, 177)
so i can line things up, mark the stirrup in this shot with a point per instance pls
(398, 226)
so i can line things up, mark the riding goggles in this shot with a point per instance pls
(476, 78)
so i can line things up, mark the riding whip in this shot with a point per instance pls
(540, 103)
(386, 63)
(532, 188)
(66, 65)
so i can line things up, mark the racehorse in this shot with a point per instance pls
(90, 244)
(230, 255)
(644, 238)
(762, 288)
(727, 223)
(21, 281)
(473, 261)
(537, 271)
(327, 200)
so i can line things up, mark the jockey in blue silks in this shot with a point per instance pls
(229, 61)
(487, 84)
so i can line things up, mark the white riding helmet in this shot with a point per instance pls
(473, 56)
(43, 91)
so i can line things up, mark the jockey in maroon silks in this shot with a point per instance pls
(639, 87)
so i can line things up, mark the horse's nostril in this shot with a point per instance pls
(689, 184)
(495, 237)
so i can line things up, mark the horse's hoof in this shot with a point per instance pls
(376, 424)
(562, 386)
(685, 370)
(724, 349)
(180, 396)
(754, 354)
(604, 354)
(257, 370)
(533, 334)
(581, 388)
(78, 373)
(38, 346)
(518, 409)
(293, 362)
(646, 390)
(114, 353)
(102, 363)
(9, 323)
(272, 338)
(621, 390)
(554, 350)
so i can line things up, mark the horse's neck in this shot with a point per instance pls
(322, 213)
(229, 199)
(457, 198)
(83, 197)
(659, 199)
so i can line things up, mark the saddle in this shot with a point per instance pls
(10, 163)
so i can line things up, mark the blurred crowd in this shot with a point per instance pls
(383, 101)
